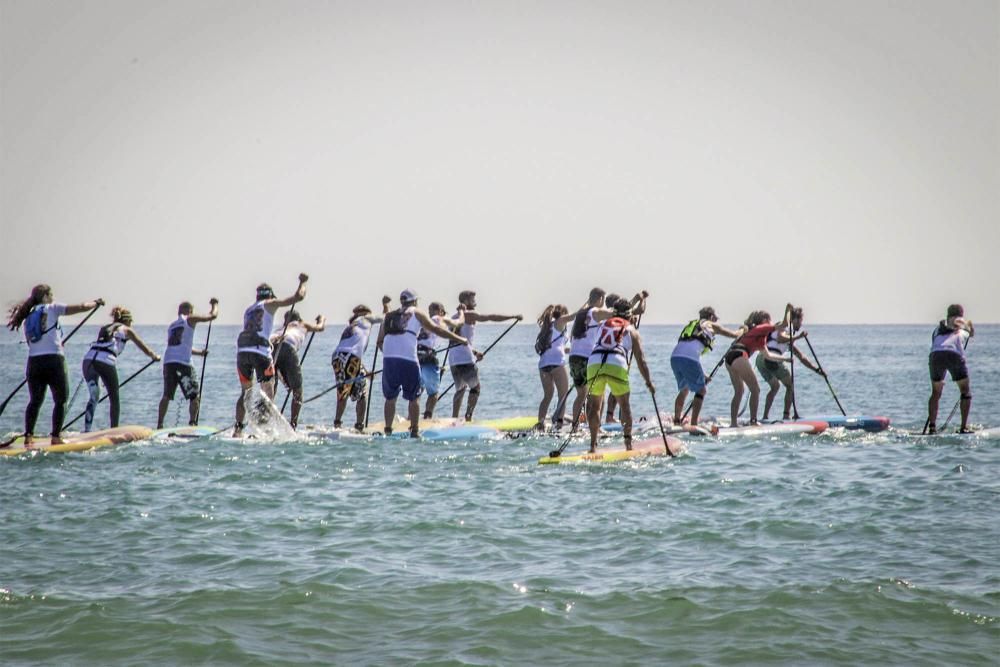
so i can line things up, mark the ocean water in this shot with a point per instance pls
(831, 549)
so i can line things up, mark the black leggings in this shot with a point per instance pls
(109, 376)
(46, 371)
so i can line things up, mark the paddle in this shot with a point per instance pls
(3, 406)
(305, 353)
(951, 414)
(371, 385)
(339, 384)
(829, 386)
(103, 398)
(663, 433)
(485, 352)
(791, 367)
(201, 382)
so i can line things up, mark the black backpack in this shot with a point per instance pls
(395, 322)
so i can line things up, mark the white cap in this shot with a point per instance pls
(407, 296)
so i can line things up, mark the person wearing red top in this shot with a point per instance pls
(754, 339)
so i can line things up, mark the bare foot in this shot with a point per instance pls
(56, 440)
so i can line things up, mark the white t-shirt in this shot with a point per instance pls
(51, 340)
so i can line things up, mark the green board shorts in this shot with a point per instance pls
(772, 370)
(614, 378)
(578, 370)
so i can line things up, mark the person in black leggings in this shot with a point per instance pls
(46, 363)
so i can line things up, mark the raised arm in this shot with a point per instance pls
(300, 294)
(319, 326)
(213, 312)
(472, 317)
(723, 331)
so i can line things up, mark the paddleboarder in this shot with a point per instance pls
(696, 340)
(349, 370)
(776, 373)
(46, 368)
(430, 367)
(178, 371)
(608, 368)
(287, 343)
(397, 339)
(464, 358)
(754, 339)
(948, 356)
(551, 345)
(101, 363)
(253, 348)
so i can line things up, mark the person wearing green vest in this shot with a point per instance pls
(696, 340)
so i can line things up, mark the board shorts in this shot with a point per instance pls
(578, 370)
(400, 374)
(610, 377)
(249, 364)
(348, 367)
(772, 370)
(466, 376)
(942, 361)
(430, 377)
(287, 364)
(688, 373)
(179, 375)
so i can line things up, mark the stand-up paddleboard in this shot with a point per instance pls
(509, 423)
(184, 433)
(648, 423)
(651, 447)
(852, 422)
(81, 442)
(460, 432)
(810, 427)
(401, 426)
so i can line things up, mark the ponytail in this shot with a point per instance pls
(17, 313)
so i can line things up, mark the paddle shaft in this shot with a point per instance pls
(710, 376)
(3, 406)
(513, 324)
(371, 386)
(659, 420)
(201, 382)
(103, 398)
(339, 384)
(791, 366)
(829, 386)
(562, 447)
(951, 414)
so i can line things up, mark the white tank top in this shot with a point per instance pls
(294, 335)
(404, 345)
(258, 320)
(107, 352)
(582, 347)
(462, 354)
(612, 337)
(945, 340)
(180, 340)
(354, 339)
(426, 338)
(556, 354)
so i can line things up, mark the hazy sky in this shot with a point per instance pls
(841, 155)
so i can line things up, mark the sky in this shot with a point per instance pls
(844, 156)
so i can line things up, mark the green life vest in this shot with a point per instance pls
(694, 331)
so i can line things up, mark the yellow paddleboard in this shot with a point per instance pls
(80, 442)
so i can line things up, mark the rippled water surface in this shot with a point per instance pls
(831, 549)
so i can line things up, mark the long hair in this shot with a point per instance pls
(17, 313)
(121, 314)
(757, 317)
(545, 322)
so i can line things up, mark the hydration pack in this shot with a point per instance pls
(543, 341)
(34, 323)
(396, 321)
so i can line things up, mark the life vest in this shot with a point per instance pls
(610, 337)
(694, 331)
(396, 321)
